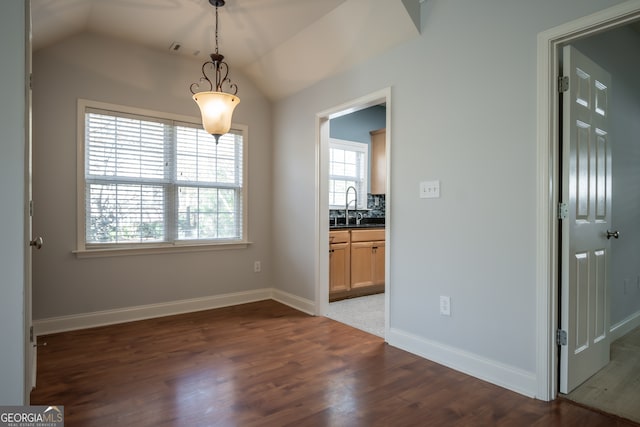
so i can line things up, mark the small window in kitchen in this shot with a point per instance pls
(347, 168)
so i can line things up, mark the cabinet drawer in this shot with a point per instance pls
(339, 236)
(367, 235)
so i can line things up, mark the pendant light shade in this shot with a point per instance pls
(216, 109)
(216, 105)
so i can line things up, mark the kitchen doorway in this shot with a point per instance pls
(370, 238)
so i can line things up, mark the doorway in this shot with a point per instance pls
(323, 126)
(611, 389)
(550, 179)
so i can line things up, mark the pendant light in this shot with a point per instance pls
(216, 105)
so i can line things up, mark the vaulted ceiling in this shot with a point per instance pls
(282, 45)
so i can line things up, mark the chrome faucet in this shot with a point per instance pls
(347, 202)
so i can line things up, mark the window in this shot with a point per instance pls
(153, 181)
(347, 167)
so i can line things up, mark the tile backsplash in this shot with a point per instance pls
(375, 208)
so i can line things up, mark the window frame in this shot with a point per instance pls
(91, 250)
(355, 146)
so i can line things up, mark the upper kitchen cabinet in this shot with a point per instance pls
(378, 161)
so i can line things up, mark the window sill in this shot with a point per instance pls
(158, 249)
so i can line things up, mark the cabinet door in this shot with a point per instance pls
(378, 162)
(361, 264)
(378, 263)
(339, 264)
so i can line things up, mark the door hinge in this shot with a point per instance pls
(30, 207)
(563, 84)
(561, 337)
(31, 334)
(563, 210)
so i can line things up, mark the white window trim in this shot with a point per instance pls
(153, 248)
(362, 147)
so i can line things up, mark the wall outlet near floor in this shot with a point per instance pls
(257, 267)
(445, 305)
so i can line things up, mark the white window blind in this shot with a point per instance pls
(347, 167)
(151, 180)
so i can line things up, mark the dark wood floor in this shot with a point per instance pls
(265, 364)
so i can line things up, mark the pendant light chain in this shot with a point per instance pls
(216, 28)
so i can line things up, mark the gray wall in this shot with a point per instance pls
(12, 184)
(356, 126)
(618, 52)
(463, 111)
(102, 69)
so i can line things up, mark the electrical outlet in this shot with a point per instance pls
(257, 267)
(445, 306)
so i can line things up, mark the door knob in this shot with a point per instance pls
(37, 243)
(613, 234)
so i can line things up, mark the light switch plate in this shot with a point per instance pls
(430, 189)
(445, 305)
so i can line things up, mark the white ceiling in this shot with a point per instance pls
(282, 45)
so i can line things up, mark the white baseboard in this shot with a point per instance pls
(130, 314)
(627, 325)
(294, 301)
(497, 373)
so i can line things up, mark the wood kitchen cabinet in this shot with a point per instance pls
(378, 161)
(339, 261)
(378, 263)
(356, 262)
(367, 258)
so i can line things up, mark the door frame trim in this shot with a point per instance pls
(322, 196)
(549, 181)
(30, 348)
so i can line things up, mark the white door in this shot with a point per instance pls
(586, 192)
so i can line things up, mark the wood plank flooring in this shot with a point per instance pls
(265, 364)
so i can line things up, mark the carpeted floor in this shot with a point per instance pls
(365, 313)
(616, 388)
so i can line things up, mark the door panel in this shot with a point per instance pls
(586, 190)
(361, 264)
(339, 266)
(378, 263)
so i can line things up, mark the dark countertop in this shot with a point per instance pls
(351, 226)
(365, 223)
